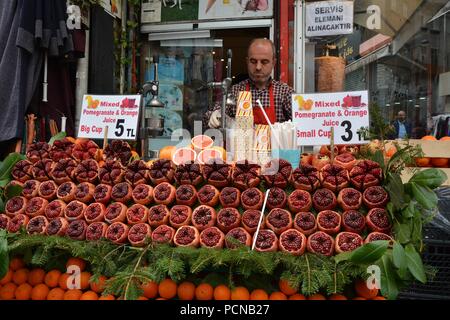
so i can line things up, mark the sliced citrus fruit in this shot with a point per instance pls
(208, 155)
(202, 142)
(184, 155)
(167, 152)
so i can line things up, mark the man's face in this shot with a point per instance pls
(401, 116)
(260, 62)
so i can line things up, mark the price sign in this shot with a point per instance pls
(315, 114)
(119, 113)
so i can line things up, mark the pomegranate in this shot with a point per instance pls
(116, 212)
(378, 220)
(212, 238)
(139, 234)
(164, 193)
(188, 173)
(187, 236)
(348, 148)
(55, 209)
(118, 150)
(240, 235)
(246, 175)
(252, 199)
(85, 149)
(324, 199)
(334, 177)
(17, 222)
(266, 241)
(276, 199)
(77, 229)
(95, 212)
(230, 197)
(186, 195)
(375, 197)
(365, 174)
(180, 215)
(136, 173)
(158, 215)
(117, 232)
(204, 217)
(4, 219)
(305, 222)
(62, 149)
(217, 173)
(36, 207)
(38, 151)
(111, 173)
(47, 190)
(30, 189)
(87, 171)
(41, 170)
(121, 192)
(85, 192)
(321, 243)
(74, 210)
(306, 159)
(102, 193)
(37, 225)
(349, 199)
(347, 241)
(63, 170)
(326, 150)
(96, 231)
(376, 236)
(250, 220)
(306, 178)
(277, 173)
(163, 234)
(16, 205)
(329, 221)
(293, 242)
(66, 191)
(57, 227)
(228, 218)
(279, 220)
(345, 160)
(319, 161)
(299, 201)
(142, 194)
(208, 195)
(162, 170)
(22, 171)
(137, 213)
(353, 221)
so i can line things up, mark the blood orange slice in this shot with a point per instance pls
(202, 142)
(208, 155)
(184, 155)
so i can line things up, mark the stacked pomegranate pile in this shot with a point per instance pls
(68, 193)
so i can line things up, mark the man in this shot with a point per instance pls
(402, 128)
(274, 96)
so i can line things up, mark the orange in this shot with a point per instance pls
(423, 162)
(167, 152)
(222, 292)
(379, 298)
(259, 294)
(77, 262)
(40, 292)
(84, 281)
(16, 263)
(186, 291)
(184, 155)
(277, 295)
(204, 291)
(209, 154)
(73, 294)
(286, 288)
(297, 296)
(7, 278)
(161, 299)
(89, 295)
(62, 281)
(7, 291)
(98, 286)
(444, 139)
(439, 162)
(20, 276)
(240, 293)
(36, 276)
(391, 151)
(337, 297)
(150, 289)
(107, 297)
(56, 294)
(142, 298)
(167, 289)
(359, 298)
(317, 296)
(430, 138)
(23, 292)
(52, 278)
(362, 290)
(202, 142)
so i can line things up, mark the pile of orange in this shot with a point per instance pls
(433, 162)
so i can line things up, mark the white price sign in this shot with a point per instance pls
(119, 113)
(327, 18)
(315, 114)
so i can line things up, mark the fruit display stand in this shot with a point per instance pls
(188, 231)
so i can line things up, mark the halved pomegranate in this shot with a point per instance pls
(137, 213)
(163, 234)
(365, 174)
(63, 170)
(66, 192)
(250, 220)
(30, 189)
(47, 190)
(305, 222)
(266, 241)
(208, 195)
(230, 197)
(17, 222)
(276, 199)
(217, 173)
(16, 205)
(119, 151)
(345, 160)
(204, 217)
(38, 151)
(347, 241)
(326, 150)
(87, 171)
(41, 170)
(4, 219)
(277, 173)
(353, 221)
(138, 234)
(164, 193)
(378, 220)
(102, 193)
(158, 215)
(293, 242)
(246, 175)
(212, 238)
(324, 199)
(85, 192)
(240, 235)
(111, 173)
(321, 243)
(319, 161)
(329, 221)
(143, 194)
(375, 197)
(137, 173)
(55, 209)
(85, 149)
(96, 231)
(37, 225)
(57, 227)
(187, 236)
(188, 173)
(121, 192)
(306, 178)
(22, 171)
(186, 195)
(228, 218)
(62, 149)
(74, 210)
(334, 177)
(306, 159)
(36, 207)
(252, 199)
(77, 229)
(116, 212)
(299, 201)
(95, 212)
(162, 170)
(279, 220)
(117, 232)
(376, 236)
(180, 215)
(349, 199)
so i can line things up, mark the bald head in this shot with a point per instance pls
(262, 44)
(260, 61)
